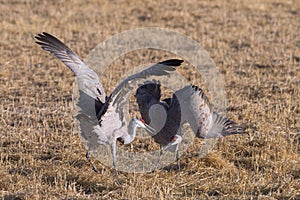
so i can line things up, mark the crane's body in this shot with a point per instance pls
(101, 118)
(188, 104)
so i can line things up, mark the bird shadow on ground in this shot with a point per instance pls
(174, 167)
(17, 196)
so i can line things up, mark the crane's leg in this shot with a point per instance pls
(158, 161)
(87, 155)
(113, 151)
(177, 158)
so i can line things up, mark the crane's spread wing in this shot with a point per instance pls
(171, 125)
(147, 95)
(174, 112)
(88, 80)
(92, 96)
(120, 95)
(198, 111)
(158, 69)
(147, 91)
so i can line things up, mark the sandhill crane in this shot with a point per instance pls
(188, 104)
(101, 117)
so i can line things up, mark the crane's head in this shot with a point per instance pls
(176, 139)
(133, 124)
(139, 122)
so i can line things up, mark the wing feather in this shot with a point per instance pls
(88, 80)
(198, 111)
(122, 92)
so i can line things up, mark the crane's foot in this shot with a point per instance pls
(156, 167)
(118, 181)
(87, 155)
(178, 165)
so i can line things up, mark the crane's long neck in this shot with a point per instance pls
(131, 132)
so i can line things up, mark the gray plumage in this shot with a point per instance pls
(148, 96)
(188, 104)
(101, 118)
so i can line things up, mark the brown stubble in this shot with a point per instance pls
(256, 48)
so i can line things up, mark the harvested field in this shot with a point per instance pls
(256, 47)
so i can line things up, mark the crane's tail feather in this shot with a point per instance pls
(223, 126)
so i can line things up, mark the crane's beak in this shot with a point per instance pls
(150, 130)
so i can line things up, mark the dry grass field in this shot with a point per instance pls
(255, 45)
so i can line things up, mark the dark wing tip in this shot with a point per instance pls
(42, 36)
(196, 88)
(171, 62)
(44, 39)
(230, 128)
